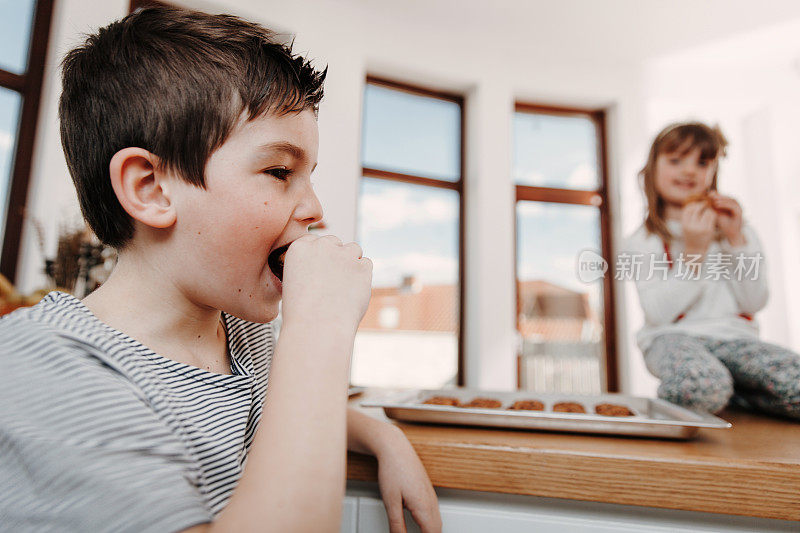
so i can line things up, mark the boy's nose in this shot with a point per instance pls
(309, 210)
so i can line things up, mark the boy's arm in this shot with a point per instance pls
(401, 477)
(294, 477)
(295, 474)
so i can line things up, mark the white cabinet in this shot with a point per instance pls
(474, 512)
(350, 515)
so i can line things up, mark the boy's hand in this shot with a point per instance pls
(403, 482)
(729, 218)
(326, 282)
(401, 477)
(699, 223)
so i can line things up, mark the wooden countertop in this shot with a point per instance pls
(752, 469)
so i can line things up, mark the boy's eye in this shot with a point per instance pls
(674, 160)
(280, 173)
(703, 163)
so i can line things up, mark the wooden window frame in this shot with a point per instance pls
(29, 86)
(598, 198)
(457, 186)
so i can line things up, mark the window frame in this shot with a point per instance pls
(598, 198)
(457, 186)
(29, 86)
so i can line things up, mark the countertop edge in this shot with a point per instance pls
(725, 487)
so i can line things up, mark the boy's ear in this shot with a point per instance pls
(140, 188)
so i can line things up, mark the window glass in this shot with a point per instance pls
(411, 134)
(560, 317)
(555, 151)
(409, 335)
(16, 22)
(10, 103)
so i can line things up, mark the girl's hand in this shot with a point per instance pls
(729, 217)
(699, 223)
(403, 482)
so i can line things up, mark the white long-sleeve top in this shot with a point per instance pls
(732, 282)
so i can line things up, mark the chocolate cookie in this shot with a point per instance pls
(484, 403)
(610, 409)
(568, 407)
(528, 405)
(442, 400)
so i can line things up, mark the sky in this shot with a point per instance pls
(10, 102)
(554, 151)
(411, 135)
(16, 18)
(15, 23)
(410, 229)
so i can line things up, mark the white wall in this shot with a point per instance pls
(493, 57)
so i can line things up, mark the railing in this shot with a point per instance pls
(562, 367)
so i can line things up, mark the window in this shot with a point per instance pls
(566, 325)
(410, 225)
(24, 28)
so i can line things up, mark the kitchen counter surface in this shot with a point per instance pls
(752, 469)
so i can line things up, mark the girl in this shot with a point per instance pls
(700, 280)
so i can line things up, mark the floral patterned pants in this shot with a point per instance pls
(704, 374)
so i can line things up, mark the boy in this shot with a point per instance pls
(191, 140)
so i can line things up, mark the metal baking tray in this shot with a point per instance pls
(651, 417)
(354, 391)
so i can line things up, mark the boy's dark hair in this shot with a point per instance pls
(174, 82)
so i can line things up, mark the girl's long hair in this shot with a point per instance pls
(677, 138)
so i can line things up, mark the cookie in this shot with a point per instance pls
(610, 409)
(442, 400)
(276, 258)
(568, 407)
(701, 197)
(484, 403)
(528, 405)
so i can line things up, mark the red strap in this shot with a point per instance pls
(746, 316)
(669, 256)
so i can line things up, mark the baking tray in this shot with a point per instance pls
(354, 391)
(652, 417)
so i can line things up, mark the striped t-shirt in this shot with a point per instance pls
(99, 433)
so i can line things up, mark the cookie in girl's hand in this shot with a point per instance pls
(699, 197)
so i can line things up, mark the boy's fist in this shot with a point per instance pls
(326, 282)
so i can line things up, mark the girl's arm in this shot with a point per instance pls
(670, 290)
(748, 272)
(748, 279)
(665, 294)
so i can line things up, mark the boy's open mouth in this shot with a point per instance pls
(275, 260)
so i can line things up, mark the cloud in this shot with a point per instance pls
(429, 268)
(532, 177)
(584, 176)
(563, 263)
(393, 208)
(531, 209)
